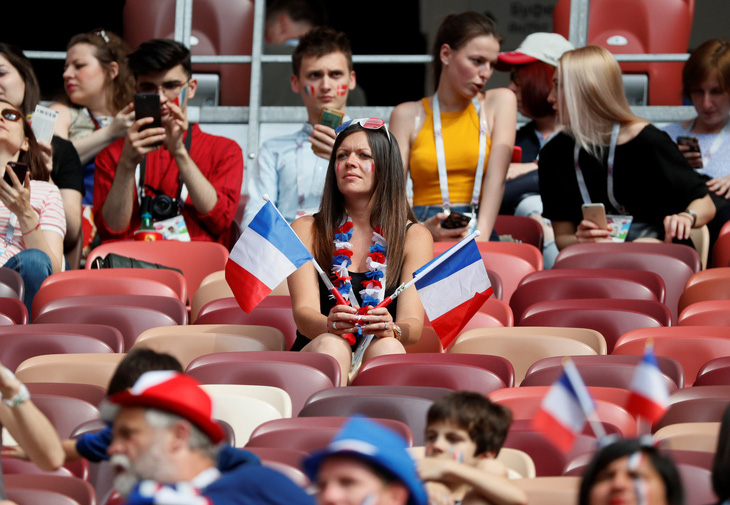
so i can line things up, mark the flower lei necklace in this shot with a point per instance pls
(374, 285)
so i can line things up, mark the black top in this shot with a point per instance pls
(527, 139)
(651, 178)
(67, 171)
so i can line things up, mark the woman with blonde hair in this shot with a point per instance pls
(608, 155)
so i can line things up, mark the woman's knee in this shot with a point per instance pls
(328, 343)
(383, 346)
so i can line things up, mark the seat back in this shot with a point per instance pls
(495, 364)
(721, 251)
(610, 317)
(592, 338)
(170, 306)
(130, 321)
(637, 27)
(195, 259)
(557, 490)
(90, 393)
(549, 461)
(324, 362)
(521, 350)
(715, 372)
(522, 229)
(213, 287)
(227, 311)
(11, 284)
(674, 263)
(270, 338)
(77, 489)
(689, 436)
(15, 350)
(459, 377)
(706, 313)
(717, 288)
(77, 368)
(694, 410)
(65, 413)
(299, 380)
(107, 334)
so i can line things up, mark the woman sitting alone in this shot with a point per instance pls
(365, 234)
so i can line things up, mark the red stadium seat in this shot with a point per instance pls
(706, 313)
(107, 334)
(715, 372)
(11, 284)
(77, 489)
(170, 306)
(522, 229)
(15, 349)
(694, 410)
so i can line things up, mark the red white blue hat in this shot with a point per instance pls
(175, 393)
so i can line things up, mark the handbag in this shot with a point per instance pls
(113, 260)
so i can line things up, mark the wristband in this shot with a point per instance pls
(397, 333)
(22, 396)
(34, 229)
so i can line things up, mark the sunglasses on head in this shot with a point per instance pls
(371, 123)
(11, 115)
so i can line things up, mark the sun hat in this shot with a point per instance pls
(377, 445)
(541, 46)
(175, 393)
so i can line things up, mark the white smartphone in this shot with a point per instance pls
(595, 212)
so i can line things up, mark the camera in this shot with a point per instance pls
(161, 207)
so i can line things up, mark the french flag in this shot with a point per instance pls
(649, 397)
(267, 252)
(454, 289)
(565, 409)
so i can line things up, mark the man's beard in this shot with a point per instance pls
(152, 464)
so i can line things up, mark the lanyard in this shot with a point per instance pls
(441, 156)
(181, 186)
(609, 182)
(719, 138)
(305, 178)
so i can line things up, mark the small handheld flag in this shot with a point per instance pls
(267, 252)
(649, 396)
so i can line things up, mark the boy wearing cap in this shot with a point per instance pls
(464, 433)
(165, 440)
(365, 464)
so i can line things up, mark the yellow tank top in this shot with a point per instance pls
(461, 147)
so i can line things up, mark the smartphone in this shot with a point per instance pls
(692, 143)
(331, 117)
(148, 105)
(455, 220)
(20, 170)
(595, 212)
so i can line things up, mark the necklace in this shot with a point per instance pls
(374, 286)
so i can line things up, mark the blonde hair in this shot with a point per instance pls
(593, 97)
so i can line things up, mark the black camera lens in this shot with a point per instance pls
(163, 207)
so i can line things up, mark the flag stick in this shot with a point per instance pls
(328, 283)
(441, 258)
(584, 398)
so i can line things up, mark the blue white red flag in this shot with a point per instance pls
(453, 291)
(267, 252)
(565, 409)
(649, 397)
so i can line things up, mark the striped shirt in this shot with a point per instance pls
(45, 198)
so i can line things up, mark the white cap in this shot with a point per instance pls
(545, 47)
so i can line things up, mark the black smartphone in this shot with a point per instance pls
(148, 105)
(692, 142)
(455, 220)
(20, 170)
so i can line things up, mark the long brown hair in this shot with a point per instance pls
(32, 156)
(17, 59)
(110, 48)
(390, 207)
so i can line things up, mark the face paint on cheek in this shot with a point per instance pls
(369, 167)
(341, 89)
(309, 90)
(337, 167)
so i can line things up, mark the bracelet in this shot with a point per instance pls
(22, 396)
(692, 214)
(397, 333)
(34, 229)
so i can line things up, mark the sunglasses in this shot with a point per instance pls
(371, 123)
(11, 115)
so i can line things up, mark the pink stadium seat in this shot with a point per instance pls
(130, 321)
(499, 310)
(13, 465)
(496, 364)
(698, 392)
(669, 367)
(11, 284)
(497, 287)
(706, 313)
(694, 410)
(38, 496)
(227, 311)
(640, 27)
(195, 259)
(77, 489)
(459, 377)
(548, 459)
(309, 434)
(554, 287)
(170, 306)
(512, 261)
(721, 251)
(714, 372)
(611, 318)
(107, 334)
(675, 343)
(324, 362)
(12, 311)
(674, 263)
(15, 349)
(522, 229)
(65, 413)
(90, 393)
(299, 380)
(610, 395)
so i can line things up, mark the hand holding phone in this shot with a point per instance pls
(693, 146)
(455, 220)
(148, 105)
(595, 213)
(20, 170)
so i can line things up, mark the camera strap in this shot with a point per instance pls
(180, 186)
